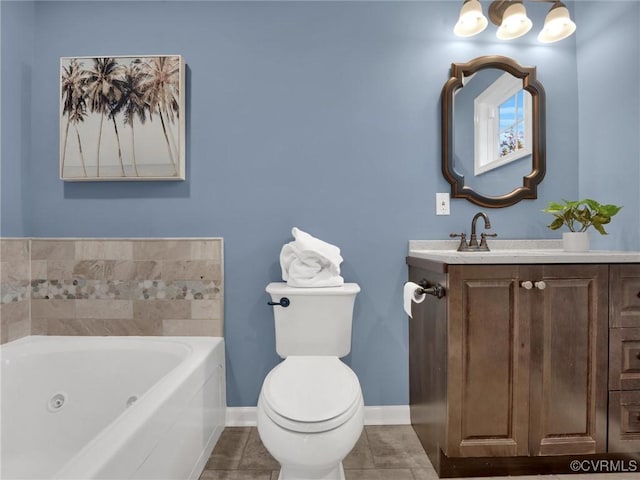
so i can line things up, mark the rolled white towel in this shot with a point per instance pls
(309, 243)
(310, 262)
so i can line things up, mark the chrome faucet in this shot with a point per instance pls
(473, 246)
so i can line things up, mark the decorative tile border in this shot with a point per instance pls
(176, 290)
(118, 290)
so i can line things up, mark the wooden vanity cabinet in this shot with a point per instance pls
(624, 358)
(507, 370)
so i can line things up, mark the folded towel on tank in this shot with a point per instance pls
(310, 262)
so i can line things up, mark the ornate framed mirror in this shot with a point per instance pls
(493, 131)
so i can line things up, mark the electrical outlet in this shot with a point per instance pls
(442, 204)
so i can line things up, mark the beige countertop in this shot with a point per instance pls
(515, 251)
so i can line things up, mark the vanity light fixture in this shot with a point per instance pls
(557, 25)
(512, 20)
(472, 21)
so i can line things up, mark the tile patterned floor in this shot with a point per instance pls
(389, 452)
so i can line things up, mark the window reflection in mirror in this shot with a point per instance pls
(502, 133)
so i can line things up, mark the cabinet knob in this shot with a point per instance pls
(528, 285)
(540, 285)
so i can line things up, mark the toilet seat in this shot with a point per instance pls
(311, 394)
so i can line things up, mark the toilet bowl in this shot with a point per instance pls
(310, 415)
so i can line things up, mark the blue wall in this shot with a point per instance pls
(322, 115)
(17, 51)
(609, 108)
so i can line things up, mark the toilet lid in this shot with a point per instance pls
(311, 393)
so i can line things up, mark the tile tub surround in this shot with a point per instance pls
(126, 286)
(14, 289)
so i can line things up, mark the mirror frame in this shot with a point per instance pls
(530, 182)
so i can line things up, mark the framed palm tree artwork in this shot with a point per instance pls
(122, 118)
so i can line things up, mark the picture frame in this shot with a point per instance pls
(122, 118)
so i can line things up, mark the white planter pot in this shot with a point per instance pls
(575, 241)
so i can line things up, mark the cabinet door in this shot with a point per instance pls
(488, 367)
(624, 358)
(568, 359)
(624, 421)
(625, 295)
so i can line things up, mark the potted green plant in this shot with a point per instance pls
(578, 216)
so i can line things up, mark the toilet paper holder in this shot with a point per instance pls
(430, 289)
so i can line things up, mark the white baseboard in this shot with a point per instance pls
(387, 415)
(241, 417)
(374, 415)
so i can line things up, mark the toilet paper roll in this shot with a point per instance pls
(409, 295)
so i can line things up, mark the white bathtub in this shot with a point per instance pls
(110, 407)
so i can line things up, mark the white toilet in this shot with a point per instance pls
(310, 411)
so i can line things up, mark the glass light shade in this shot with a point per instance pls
(515, 22)
(557, 25)
(472, 21)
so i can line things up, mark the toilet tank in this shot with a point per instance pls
(317, 320)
